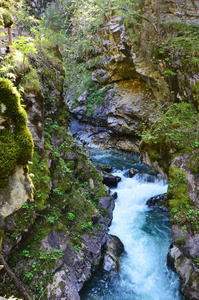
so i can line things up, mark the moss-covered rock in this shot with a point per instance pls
(6, 17)
(16, 144)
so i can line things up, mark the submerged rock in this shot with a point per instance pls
(113, 249)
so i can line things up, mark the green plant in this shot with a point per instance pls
(180, 241)
(169, 72)
(25, 45)
(26, 253)
(71, 216)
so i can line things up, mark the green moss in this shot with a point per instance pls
(7, 17)
(30, 82)
(8, 155)
(177, 191)
(180, 241)
(195, 94)
(173, 133)
(16, 144)
(196, 261)
(179, 41)
(41, 179)
(32, 261)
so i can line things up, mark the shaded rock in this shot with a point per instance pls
(115, 245)
(153, 173)
(79, 112)
(35, 112)
(107, 203)
(186, 270)
(113, 249)
(114, 195)
(159, 200)
(110, 179)
(102, 167)
(83, 97)
(101, 76)
(132, 172)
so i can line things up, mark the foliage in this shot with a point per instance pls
(174, 133)
(25, 45)
(40, 174)
(95, 97)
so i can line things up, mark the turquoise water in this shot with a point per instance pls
(146, 235)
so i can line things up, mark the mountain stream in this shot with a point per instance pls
(146, 235)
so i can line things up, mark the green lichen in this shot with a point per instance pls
(16, 143)
(177, 191)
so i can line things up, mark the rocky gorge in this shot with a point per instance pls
(134, 86)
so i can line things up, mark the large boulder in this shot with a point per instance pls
(110, 179)
(113, 249)
(159, 200)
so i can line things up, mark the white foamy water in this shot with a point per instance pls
(145, 233)
(143, 268)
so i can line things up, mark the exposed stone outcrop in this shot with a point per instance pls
(18, 190)
(186, 270)
(76, 265)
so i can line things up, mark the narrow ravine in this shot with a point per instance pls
(146, 235)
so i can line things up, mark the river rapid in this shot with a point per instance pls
(145, 233)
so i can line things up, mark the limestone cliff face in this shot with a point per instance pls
(129, 90)
(127, 71)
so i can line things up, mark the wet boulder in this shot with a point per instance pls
(114, 195)
(159, 200)
(113, 249)
(132, 172)
(110, 179)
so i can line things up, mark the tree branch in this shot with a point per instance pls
(16, 282)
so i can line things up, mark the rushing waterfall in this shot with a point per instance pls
(145, 233)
